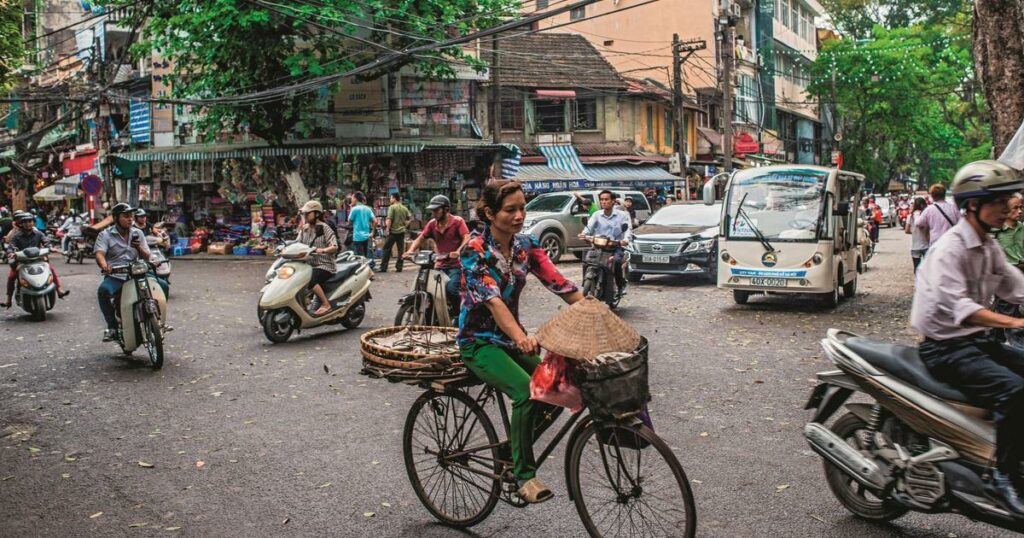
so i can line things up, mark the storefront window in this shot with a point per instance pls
(436, 108)
(585, 114)
(650, 124)
(668, 128)
(550, 114)
(578, 13)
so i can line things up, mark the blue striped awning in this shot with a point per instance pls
(563, 157)
(629, 174)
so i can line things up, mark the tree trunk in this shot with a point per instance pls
(999, 57)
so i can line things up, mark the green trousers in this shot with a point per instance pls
(509, 371)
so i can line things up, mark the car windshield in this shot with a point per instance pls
(783, 204)
(687, 215)
(548, 203)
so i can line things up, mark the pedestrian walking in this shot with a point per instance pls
(363, 223)
(939, 217)
(918, 238)
(395, 226)
(1011, 235)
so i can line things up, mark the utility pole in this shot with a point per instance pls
(495, 91)
(727, 23)
(679, 47)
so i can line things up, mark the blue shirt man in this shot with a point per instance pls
(362, 220)
(615, 225)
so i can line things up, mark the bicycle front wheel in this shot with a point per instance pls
(451, 456)
(625, 481)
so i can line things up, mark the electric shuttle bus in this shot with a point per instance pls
(789, 229)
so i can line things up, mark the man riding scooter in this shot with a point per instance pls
(615, 225)
(450, 235)
(118, 244)
(25, 235)
(963, 269)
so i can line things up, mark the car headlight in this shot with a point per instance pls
(528, 223)
(698, 246)
(285, 272)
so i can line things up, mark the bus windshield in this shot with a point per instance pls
(780, 204)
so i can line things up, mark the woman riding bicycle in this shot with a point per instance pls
(493, 343)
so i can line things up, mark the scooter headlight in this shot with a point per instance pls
(139, 268)
(285, 272)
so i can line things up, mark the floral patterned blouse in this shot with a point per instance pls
(486, 274)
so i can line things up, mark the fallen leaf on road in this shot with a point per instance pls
(9, 365)
(216, 394)
(70, 458)
(286, 520)
(816, 517)
(65, 475)
(232, 461)
(703, 434)
(326, 369)
(325, 485)
(6, 478)
(137, 525)
(697, 481)
(200, 464)
(386, 505)
(368, 514)
(96, 515)
(172, 528)
(374, 462)
(780, 489)
(146, 465)
(33, 449)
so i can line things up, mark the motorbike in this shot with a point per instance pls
(286, 303)
(35, 291)
(157, 257)
(918, 446)
(428, 303)
(141, 310)
(903, 213)
(599, 270)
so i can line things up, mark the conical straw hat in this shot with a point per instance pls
(587, 329)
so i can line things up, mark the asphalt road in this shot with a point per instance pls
(240, 437)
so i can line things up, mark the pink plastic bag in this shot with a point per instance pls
(551, 383)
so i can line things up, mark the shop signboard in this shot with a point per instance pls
(162, 120)
(360, 101)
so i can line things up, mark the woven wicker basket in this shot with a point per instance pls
(390, 358)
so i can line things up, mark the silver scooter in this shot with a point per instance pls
(286, 303)
(35, 291)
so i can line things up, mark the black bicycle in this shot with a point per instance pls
(623, 479)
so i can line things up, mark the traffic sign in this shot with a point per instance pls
(92, 184)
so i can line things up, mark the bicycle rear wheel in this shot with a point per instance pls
(621, 489)
(442, 444)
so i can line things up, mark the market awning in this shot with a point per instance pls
(556, 94)
(564, 158)
(49, 194)
(642, 176)
(68, 185)
(48, 140)
(541, 178)
(239, 151)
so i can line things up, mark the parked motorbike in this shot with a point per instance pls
(919, 446)
(599, 270)
(428, 304)
(286, 303)
(141, 310)
(35, 291)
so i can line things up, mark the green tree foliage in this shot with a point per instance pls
(12, 47)
(908, 101)
(857, 18)
(232, 47)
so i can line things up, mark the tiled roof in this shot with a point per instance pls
(553, 61)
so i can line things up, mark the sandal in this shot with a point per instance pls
(321, 311)
(534, 492)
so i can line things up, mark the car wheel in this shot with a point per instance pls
(552, 245)
(579, 255)
(740, 296)
(634, 276)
